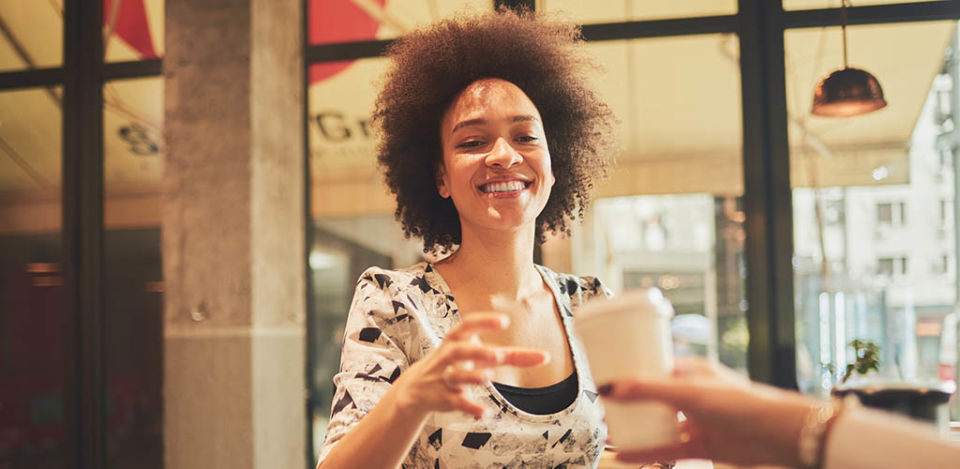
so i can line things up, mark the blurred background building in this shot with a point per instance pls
(188, 193)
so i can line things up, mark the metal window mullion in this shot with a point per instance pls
(874, 14)
(82, 232)
(660, 28)
(311, 346)
(31, 78)
(767, 195)
(132, 69)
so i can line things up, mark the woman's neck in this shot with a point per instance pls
(495, 263)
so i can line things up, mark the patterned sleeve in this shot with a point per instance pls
(371, 359)
(592, 287)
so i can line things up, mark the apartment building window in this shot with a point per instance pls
(946, 159)
(892, 213)
(892, 266)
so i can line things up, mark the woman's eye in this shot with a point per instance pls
(470, 144)
(527, 138)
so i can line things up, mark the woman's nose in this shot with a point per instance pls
(503, 155)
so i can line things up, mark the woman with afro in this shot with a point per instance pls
(490, 137)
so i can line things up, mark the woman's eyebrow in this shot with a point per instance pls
(524, 118)
(468, 123)
(481, 121)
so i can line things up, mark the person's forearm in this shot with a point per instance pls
(381, 439)
(778, 421)
(870, 438)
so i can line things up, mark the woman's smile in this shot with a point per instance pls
(496, 164)
(504, 189)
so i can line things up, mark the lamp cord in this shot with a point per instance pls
(843, 29)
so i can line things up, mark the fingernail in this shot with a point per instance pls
(605, 389)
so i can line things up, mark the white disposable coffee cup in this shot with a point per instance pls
(629, 337)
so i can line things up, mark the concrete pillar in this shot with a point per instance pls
(233, 227)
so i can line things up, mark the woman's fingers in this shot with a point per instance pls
(485, 356)
(478, 354)
(671, 392)
(468, 407)
(454, 377)
(477, 322)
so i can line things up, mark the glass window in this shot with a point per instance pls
(817, 4)
(885, 266)
(681, 196)
(862, 279)
(133, 277)
(33, 330)
(31, 34)
(885, 213)
(352, 213)
(669, 215)
(635, 10)
(333, 21)
(132, 29)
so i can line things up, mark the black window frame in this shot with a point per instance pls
(82, 74)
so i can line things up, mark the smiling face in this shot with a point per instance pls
(496, 165)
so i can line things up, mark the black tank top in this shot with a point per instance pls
(541, 401)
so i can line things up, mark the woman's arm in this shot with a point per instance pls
(383, 437)
(733, 420)
(867, 438)
(382, 401)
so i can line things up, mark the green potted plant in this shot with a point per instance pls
(922, 402)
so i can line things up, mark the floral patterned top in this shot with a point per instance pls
(397, 317)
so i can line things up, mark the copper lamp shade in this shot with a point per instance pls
(847, 92)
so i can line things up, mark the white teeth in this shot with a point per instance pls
(507, 186)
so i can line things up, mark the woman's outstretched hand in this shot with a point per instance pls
(729, 418)
(436, 382)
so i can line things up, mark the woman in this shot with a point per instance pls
(490, 138)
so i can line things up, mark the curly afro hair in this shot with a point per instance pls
(432, 66)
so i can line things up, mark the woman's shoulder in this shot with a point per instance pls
(395, 279)
(575, 285)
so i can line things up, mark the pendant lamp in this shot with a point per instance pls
(849, 91)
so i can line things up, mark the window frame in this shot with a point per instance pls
(82, 75)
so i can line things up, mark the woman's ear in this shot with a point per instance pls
(442, 188)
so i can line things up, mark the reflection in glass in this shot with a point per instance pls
(688, 245)
(133, 29)
(33, 331)
(333, 21)
(353, 225)
(669, 214)
(636, 10)
(31, 34)
(872, 228)
(133, 278)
